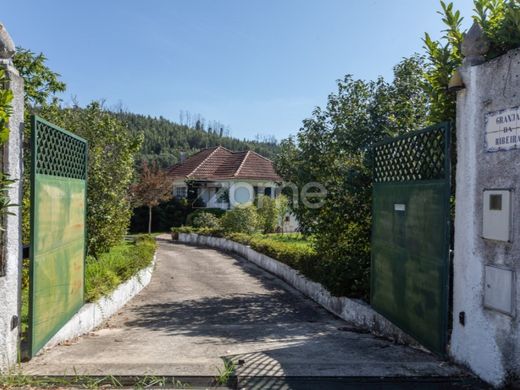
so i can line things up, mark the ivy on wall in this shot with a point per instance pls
(6, 98)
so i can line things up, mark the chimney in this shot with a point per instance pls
(183, 157)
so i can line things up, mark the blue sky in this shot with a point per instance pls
(259, 66)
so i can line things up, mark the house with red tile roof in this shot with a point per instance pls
(220, 178)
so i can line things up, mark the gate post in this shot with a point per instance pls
(10, 270)
(487, 217)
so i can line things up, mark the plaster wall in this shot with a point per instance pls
(487, 342)
(10, 282)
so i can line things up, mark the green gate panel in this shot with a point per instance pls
(58, 232)
(410, 234)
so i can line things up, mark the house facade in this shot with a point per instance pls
(220, 178)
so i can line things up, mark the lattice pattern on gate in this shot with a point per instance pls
(414, 157)
(59, 153)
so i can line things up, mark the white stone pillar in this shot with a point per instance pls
(485, 337)
(10, 282)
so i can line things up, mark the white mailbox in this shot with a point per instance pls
(498, 289)
(497, 215)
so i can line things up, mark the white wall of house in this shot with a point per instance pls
(239, 192)
(290, 223)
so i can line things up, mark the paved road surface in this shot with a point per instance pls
(204, 307)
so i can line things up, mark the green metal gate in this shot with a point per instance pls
(410, 233)
(58, 230)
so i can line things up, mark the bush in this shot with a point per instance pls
(214, 211)
(217, 232)
(206, 220)
(122, 262)
(267, 214)
(111, 152)
(171, 213)
(240, 220)
(296, 256)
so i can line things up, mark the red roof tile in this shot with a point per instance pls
(219, 163)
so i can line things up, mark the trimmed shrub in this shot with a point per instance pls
(267, 213)
(214, 211)
(240, 220)
(206, 220)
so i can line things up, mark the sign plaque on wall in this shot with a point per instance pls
(502, 130)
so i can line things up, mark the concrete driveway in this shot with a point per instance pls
(204, 307)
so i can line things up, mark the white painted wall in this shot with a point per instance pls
(10, 283)
(488, 342)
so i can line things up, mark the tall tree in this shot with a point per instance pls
(41, 88)
(154, 186)
(111, 154)
(41, 84)
(164, 140)
(333, 148)
(500, 21)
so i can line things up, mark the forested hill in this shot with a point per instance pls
(164, 140)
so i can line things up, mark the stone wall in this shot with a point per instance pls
(484, 338)
(12, 164)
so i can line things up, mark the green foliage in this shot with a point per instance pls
(271, 212)
(216, 232)
(225, 374)
(167, 214)
(267, 214)
(293, 250)
(122, 262)
(5, 202)
(6, 97)
(241, 219)
(41, 84)
(206, 220)
(111, 154)
(443, 58)
(164, 140)
(500, 21)
(333, 148)
(215, 211)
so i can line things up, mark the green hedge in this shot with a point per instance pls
(297, 257)
(215, 211)
(122, 262)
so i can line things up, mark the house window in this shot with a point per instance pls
(181, 192)
(223, 195)
(268, 191)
